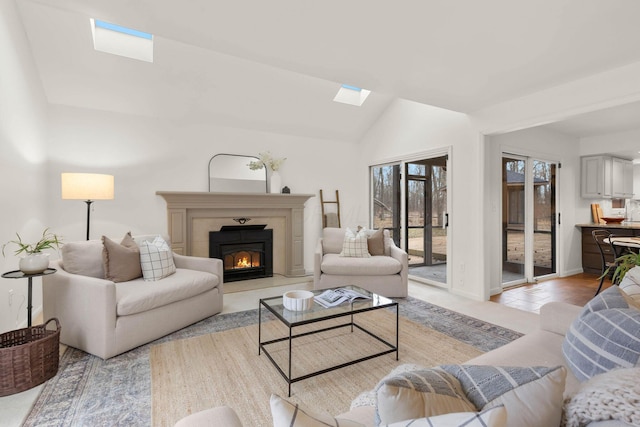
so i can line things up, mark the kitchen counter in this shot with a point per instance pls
(591, 258)
(629, 225)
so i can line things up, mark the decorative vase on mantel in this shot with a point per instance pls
(34, 263)
(275, 182)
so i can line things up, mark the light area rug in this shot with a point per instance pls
(89, 391)
(224, 368)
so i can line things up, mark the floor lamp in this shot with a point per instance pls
(87, 187)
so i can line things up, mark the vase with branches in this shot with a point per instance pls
(266, 160)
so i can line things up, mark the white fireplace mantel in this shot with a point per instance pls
(185, 210)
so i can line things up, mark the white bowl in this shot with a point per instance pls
(297, 300)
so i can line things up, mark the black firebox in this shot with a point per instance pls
(246, 251)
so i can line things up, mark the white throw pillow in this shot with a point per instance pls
(156, 259)
(287, 414)
(492, 417)
(418, 394)
(355, 244)
(532, 396)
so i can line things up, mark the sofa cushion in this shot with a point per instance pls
(492, 417)
(419, 394)
(372, 266)
(121, 261)
(137, 296)
(287, 414)
(355, 244)
(156, 259)
(532, 396)
(606, 335)
(613, 395)
(83, 258)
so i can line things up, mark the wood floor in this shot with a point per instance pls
(578, 290)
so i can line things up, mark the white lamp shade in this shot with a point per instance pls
(87, 186)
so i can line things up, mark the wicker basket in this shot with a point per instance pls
(28, 357)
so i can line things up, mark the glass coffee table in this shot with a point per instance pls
(345, 315)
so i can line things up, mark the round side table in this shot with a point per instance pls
(17, 274)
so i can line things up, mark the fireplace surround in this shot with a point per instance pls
(192, 215)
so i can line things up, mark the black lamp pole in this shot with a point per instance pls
(88, 202)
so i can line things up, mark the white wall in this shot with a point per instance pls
(620, 141)
(407, 129)
(147, 155)
(23, 183)
(547, 145)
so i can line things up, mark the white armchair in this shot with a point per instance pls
(385, 274)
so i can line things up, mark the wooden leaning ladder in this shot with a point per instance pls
(330, 219)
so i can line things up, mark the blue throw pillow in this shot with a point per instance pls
(606, 335)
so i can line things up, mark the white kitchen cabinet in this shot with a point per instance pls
(636, 181)
(596, 177)
(605, 177)
(622, 178)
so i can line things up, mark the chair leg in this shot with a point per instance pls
(601, 282)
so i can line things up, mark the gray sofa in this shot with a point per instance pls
(385, 274)
(106, 318)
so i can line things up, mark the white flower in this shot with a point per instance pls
(265, 160)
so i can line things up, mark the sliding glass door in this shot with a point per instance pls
(426, 216)
(529, 219)
(413, 195)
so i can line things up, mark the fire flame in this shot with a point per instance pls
(243, 263)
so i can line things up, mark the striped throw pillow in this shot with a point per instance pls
(287, 414)
(417, 394)
(532, 396)
(492, 417)
(606, 335)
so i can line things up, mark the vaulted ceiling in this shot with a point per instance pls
(276, 65)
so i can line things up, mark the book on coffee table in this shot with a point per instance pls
(333, 297)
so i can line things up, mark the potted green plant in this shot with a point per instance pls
(624, 263)
(35, 260)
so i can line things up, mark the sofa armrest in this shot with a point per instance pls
(86, 308)
(317, 261)
(208, 265)
(401, 255)
(557, 317)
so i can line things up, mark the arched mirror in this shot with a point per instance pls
(230, 173)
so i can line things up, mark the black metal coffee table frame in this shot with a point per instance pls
(321, 314)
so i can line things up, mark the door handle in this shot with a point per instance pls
(445, 223)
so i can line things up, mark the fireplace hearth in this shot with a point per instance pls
(246, 251)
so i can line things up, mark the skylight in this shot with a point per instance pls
(123, 41)
(352, 95)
